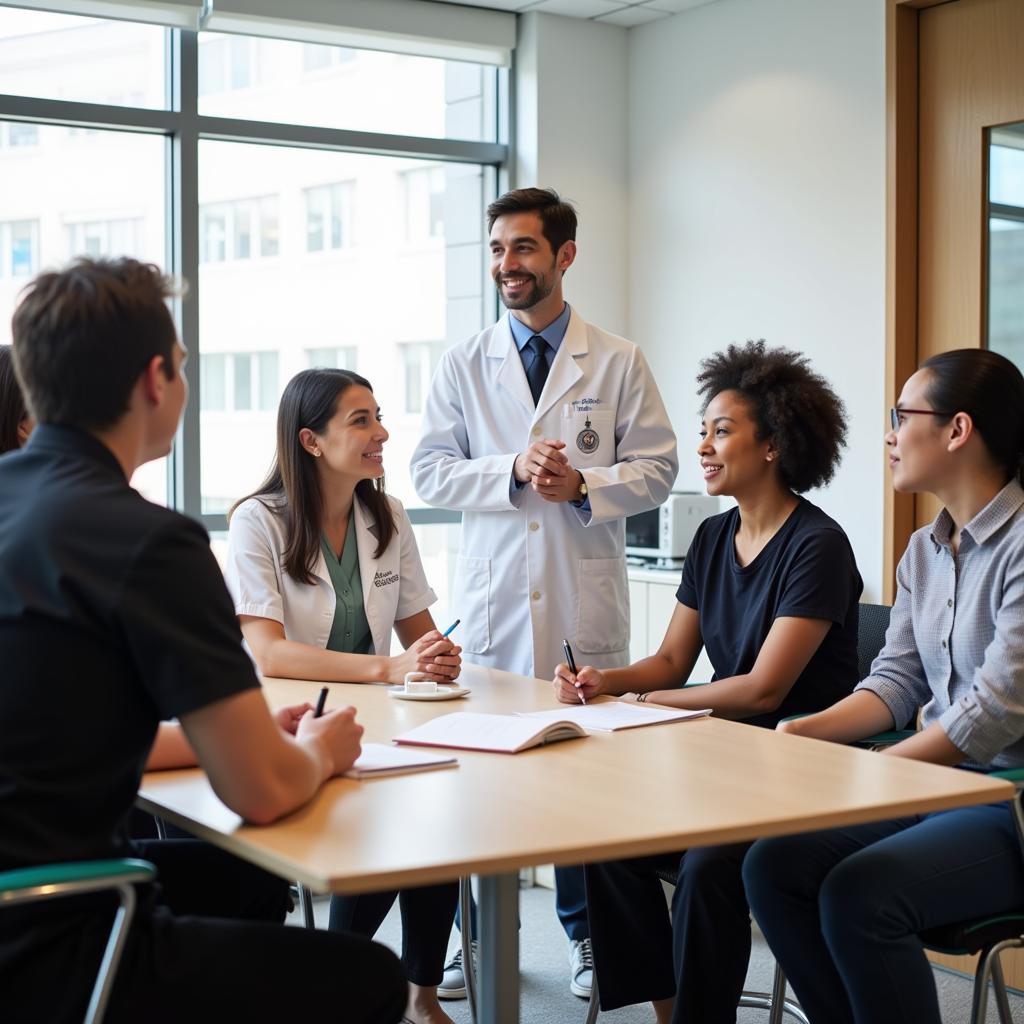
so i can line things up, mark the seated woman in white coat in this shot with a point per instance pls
(322, 565)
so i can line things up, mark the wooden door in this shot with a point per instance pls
(955, 69)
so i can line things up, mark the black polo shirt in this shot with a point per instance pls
(807, 570)
(113, 616)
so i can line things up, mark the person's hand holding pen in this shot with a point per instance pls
(288, 718)
(436, 656)
(576, 687)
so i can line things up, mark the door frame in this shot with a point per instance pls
(901, 236)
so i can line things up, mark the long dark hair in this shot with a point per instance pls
(292, 487)
(990, 389)
(12, 402)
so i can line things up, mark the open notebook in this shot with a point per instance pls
(507, 734)
(379, 759)
(612, 715)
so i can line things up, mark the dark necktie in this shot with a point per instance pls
(538, 371)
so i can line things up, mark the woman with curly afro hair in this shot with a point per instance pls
(770, 590)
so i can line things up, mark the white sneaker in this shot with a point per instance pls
(453, 983)
(581, 968)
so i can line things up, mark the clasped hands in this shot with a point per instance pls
(545, 467)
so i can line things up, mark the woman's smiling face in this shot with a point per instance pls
(732, 456)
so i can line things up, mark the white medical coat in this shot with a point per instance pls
(532, 572)
(394, 585)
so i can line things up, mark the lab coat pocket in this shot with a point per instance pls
(603, 623)
(589, 436)
(473, 599)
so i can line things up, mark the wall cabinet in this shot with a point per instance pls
(652, 600)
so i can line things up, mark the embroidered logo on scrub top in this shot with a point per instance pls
(382, 579)
(588, 440)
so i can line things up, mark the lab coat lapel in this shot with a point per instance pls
(511, 375)
(565, 370)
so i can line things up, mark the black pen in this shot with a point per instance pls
(321, 701)
(572, 666)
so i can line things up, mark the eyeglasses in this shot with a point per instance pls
(897, 412)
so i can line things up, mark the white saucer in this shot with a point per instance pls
(442, 693)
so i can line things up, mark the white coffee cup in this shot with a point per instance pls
(416, 682)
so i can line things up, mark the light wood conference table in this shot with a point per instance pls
(610, 795)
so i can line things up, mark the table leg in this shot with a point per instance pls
(499, 949)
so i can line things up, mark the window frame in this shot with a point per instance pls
(183, 127)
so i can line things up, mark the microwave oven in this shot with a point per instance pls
(664, 533)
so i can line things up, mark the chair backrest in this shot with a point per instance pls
(874, 621)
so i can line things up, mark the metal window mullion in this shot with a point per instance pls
(184, 193)
(227, 129)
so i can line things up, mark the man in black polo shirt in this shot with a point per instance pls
(114, 617)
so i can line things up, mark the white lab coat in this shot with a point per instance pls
(532, 572)
(394, 585)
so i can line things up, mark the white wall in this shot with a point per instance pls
(571, 135)
(756, 209)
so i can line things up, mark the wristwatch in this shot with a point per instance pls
(582, 493)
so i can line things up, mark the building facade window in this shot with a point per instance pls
(329, 216)
(243, 229)
(342, 357)
(424, 203)
(105, 237)
(239, 382)
(419, 361)
(19, 248)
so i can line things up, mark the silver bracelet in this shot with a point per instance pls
(641, 697)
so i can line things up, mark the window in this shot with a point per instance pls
(226, 64)
(329, 217)
(343, 358)
(262, 226)
(19, 134)
(239, 382)
(316, 58)
(67, 57)
(20, 241)
(239, 230)
(419, 361)
(424, 203)
(105, 237)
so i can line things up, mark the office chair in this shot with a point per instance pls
(52, 881)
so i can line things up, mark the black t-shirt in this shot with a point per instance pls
(807, 570)
(113, 616)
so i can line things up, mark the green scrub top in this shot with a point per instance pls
(350, 632)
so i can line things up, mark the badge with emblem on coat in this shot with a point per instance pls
(588, 440)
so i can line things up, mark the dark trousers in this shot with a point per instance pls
(427, 914)
(697, 953)
(842, 909)
(206, 944)
(570, 904)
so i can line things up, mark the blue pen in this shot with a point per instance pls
(450, 628)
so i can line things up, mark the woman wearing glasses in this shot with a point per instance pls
(842, 909)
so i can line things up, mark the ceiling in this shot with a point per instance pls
(626, 13)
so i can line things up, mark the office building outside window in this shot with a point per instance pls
(334, 250)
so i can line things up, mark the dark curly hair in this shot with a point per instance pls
(792, 405)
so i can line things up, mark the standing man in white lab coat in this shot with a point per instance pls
(545, 432)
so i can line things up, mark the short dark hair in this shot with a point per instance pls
(292, 487)
(82, 336)
(990, 389)
(792, 405)
(12, 403)
(557, 216)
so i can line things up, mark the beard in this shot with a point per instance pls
(537, 291)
